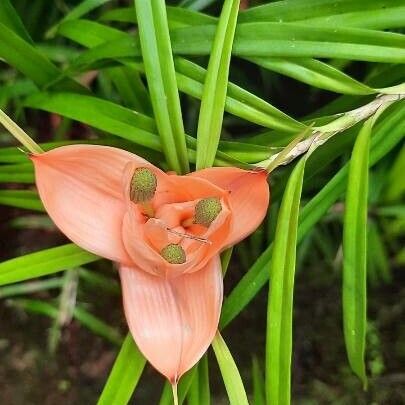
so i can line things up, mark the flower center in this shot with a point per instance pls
(205, 212)
(143, 188)
(174, 254)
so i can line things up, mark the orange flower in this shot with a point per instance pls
(166, 233)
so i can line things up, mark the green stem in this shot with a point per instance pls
(19, 133)
(322, 134)
(175, 396)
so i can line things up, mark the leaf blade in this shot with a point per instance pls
(124, 375)
(354, 293)
(160, 74)
(44, 262)
(230, 374)
(215, 86)
(279, 310)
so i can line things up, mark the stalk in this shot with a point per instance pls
(19, 133)
(322, 134)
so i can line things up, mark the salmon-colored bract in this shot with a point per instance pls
(169, 262)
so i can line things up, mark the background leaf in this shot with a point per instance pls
(354, 293)
(230, 374)
(215, 86)
(159, 68)
(279, 310)
(124, 375)
(42, 263)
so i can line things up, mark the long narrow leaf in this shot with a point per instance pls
(190, 77)
(21, 199)
(24, 57)
(83, 8)
(101, 114)
(215, 86)
(120, 121)
(354, 293)
(230, 374)
(315, 73)
(374, 14)
(160, 73)
(204, 382)
(280, 303)
(383, 18)
(259, 387)
(42, 263)
(297, 40)
(124, 375)
(275, 40)
(10, 18)
(387, 135)
(293, 10)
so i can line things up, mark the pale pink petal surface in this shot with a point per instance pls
(248, 197)
(80, 186)
(173, 321)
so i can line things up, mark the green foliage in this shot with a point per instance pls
(355, 253)
(230, 374)
(280, 303)
(42, 263)
(215, 86)
(159, 69)
(124, 375)
(135, 75)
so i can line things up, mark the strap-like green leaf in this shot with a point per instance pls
(230, 373)
(239, 101)
(130, 87)
(123, 122)
(81, 9)
(293, 10)
(160, 73)
(190, 76)
(215, 86)
(177, 16)
(297, 40)
(204, 382)
(259, 387)
(381, 18)
(42, 263)
(386, 135)
(315, 73)
(20, 173)
(374, 14)
(101, 114)
(26, 199)
(280, 303)
(354, 293)
(10, 18)
(124, 375)
(27, 59)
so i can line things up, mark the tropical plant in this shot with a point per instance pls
(310, 91)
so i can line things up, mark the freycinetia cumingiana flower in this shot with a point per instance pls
(166, 233)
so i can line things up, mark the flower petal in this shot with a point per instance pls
(173, 321)
(248, 198)
(81, 188)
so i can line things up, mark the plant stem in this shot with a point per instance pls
(19, 133)
(175, 396)
(322, 134)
